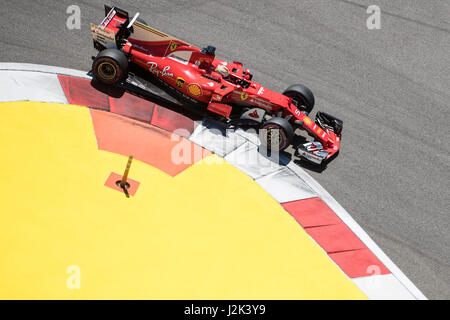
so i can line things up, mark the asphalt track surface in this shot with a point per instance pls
(390, 86)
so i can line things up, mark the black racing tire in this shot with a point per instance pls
(285, 134)
(110, 66)
(302, 95)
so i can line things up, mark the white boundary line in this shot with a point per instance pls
(9, 66)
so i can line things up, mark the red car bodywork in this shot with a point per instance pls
(191, 71)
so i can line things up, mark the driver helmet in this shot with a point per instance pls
(222, 70)
(247, 75)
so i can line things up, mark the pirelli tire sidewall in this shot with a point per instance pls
(285, 134)
(110, 66)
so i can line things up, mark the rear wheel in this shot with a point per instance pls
(276, 134)
(302, 97)
(110, 66)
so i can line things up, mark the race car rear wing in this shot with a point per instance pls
(118, 27)
(113, 29)
(111, 12)
(120, 12)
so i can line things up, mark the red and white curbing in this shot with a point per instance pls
(346, 243)
(395, 285)
(327, 222)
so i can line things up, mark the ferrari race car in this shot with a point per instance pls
(226, 89)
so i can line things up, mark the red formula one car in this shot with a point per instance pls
(224, 88)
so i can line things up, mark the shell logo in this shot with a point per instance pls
(195, 90)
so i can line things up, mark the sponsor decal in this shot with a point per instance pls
(311, 157)
(104, 36)
(140, 47)
(244, 96)
(314, 152)
(175, 91)
(179, 82)
(261, 104)
(323, 154)
(217, 97)
(108, 18)
(153, 68)
(316, 145)
(211, 84)
(173, 46)
(195, 90)
(261, 90)
(307, 120)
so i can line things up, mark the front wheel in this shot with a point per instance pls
(276, 134)
(302, 97)
(110, 66)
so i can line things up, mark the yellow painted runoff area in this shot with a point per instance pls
(208, 233)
